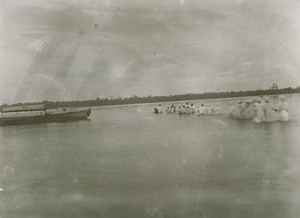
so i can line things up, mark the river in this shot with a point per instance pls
(125, 161)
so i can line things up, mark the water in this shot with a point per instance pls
(128, 162)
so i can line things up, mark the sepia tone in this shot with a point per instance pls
(146, 108)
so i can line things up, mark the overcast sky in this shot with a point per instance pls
(84, 49)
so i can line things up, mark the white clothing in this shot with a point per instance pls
(283, 111)
(258, 113)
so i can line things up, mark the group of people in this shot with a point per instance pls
(191, 109)
(260, 110)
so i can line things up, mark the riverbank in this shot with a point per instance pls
(156, 99)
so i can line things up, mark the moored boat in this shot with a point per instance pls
(39, 114)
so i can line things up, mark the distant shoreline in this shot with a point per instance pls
(184, 101)
(158, 99)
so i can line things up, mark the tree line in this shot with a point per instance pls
(153, 99)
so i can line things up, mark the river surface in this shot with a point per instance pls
(125, 161)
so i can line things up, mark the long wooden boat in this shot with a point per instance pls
(39, 114)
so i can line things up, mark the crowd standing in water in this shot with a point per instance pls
(191, 109)
(258, 109)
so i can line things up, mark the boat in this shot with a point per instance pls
(39, 114)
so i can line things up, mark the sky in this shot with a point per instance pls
(84, 49)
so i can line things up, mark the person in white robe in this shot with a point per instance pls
(270, 112)
(282, 109)
(192, 109)
(159, 108)
(202, 110)
(258, 112)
